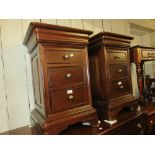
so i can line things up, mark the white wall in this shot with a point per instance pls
(16, 92)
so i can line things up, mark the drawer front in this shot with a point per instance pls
(64, 56)
(65, 76)
(134, 127)
(68, 98)
(118, 71)
(151, 120)
(148, 54)
(117, 56)
(119, 88)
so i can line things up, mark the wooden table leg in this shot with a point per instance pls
(140, 79)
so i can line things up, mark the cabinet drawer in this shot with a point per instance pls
(119, 88)
(133, 127)
(64, 56)
(148, 54)
(151, 120)
(68, 98)
(118, 71)
(65, 76)
(117, 56)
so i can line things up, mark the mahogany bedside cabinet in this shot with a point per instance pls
(110, 74)
(60, 72)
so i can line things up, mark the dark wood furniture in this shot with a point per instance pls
(110, 74)
(130, 122)
(140, 54)
(149, 92)
(60, 77)
(150, 117)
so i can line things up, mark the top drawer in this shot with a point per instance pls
(148, 54)
(64, 56)
(115, 56)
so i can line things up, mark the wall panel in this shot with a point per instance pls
(98, 25)
(88, 24)
(107, 25)
(118, 26)
(25, 24)
(76, 23)
(4, 124)
(146, 40)
(64, 22)
(14, 62)
(49, 21)
(127, 27)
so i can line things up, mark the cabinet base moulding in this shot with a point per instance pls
(54, 127)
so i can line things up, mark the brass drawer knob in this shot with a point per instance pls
(121, 87)
(71, 97)
(100, 128)
(119, 83)
(71, 55)
(66, 56)
(151, 121)
(139, 125)
(69, 75)
(70, 91)
(119, 70)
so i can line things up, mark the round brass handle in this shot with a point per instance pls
(119, 70)
(151, 121)
(67, 56)
(119, 83)
(121, 87)
(100, 128)
(71, 55)
(139, 125)
(71, 97)
(69, 75)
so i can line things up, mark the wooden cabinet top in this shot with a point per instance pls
(53, 33)
(141, 53)
(143, 47)
(110, 39)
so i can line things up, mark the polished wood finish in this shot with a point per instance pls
(130, 122)
(117, 56)
(62, 101)
(150, 115)
(119, 71)
(140, 54)
(60, 77)
(66, 76)
(110, 74)
(119, 88)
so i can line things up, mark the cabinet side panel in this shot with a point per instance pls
(37, 84)
(96, 73)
